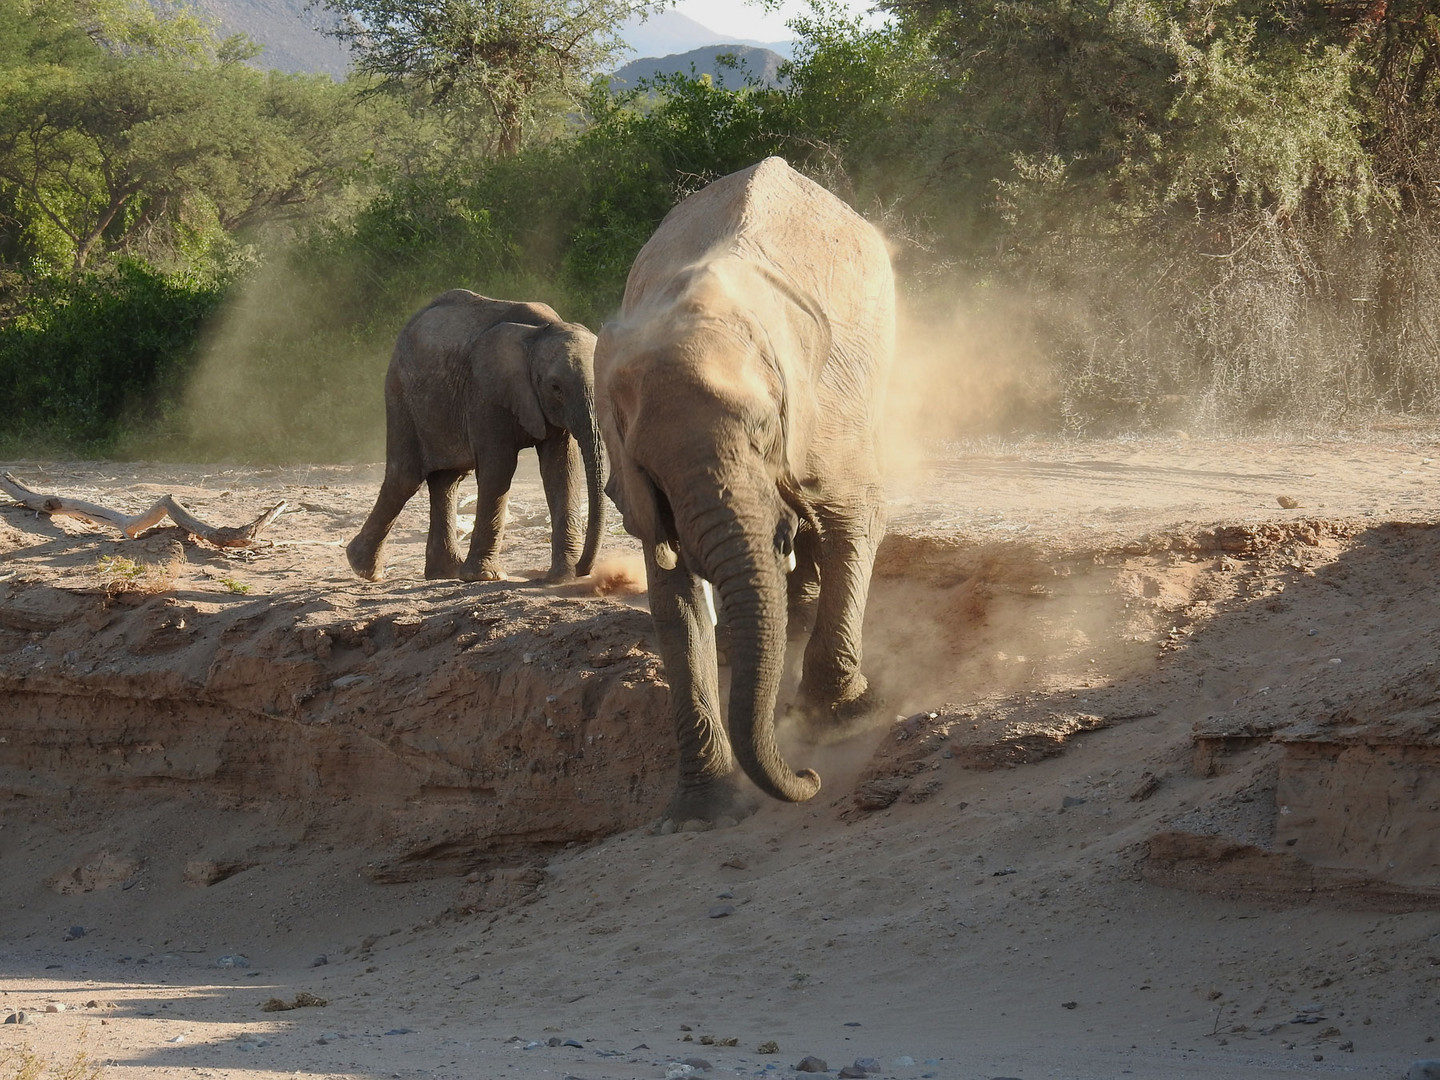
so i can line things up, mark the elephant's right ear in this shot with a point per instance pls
(503, 366)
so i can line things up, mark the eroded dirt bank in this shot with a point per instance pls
(1159, 782)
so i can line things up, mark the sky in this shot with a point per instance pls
(750, 20)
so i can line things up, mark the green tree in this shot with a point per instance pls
(504, 57)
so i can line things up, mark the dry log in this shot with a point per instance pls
(232, 536)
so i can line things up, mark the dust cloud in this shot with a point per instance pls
(963, 370)
(291, 373)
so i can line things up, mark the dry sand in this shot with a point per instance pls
(1119, 642)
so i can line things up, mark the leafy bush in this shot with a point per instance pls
(87, 358)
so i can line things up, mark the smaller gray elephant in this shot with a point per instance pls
(471, 382)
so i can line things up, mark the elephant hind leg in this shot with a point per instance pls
(442, 546)
(366, 552)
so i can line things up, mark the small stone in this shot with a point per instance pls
(74, 933)
(554, 1040)
(411, 1031)
(904, 1061)
(720, 911)
(1287, 502)
(18, 1018)
(771, 1047)
(736, 863)
(1071, 800)
(176, 1039)
(699, 1064)
(54, 1007)
(1069, 1004)
(676, 1070)
(575, 1043)
(811, 1064)
(320, 961)
(1424, 1069)
(233, 960)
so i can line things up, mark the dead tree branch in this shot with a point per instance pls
(241, 536)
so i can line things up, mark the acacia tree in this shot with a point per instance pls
(504, 56)
(129, 128)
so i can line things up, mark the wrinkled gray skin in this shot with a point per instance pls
(739, 393)
(471, 382)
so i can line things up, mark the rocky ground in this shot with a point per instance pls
(1154, 795)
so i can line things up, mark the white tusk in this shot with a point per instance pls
(709, 591)
(791, 561)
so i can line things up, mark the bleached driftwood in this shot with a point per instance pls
(238, 536)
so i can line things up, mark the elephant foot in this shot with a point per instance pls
(486, 572)
(364, 562)
(827, 723)
(559, 575)
(716, 804)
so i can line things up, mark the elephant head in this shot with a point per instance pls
(703, 411)
(545, 376)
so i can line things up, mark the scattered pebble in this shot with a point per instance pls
(233, 960)
(678, 1069)
(18, 1018)
(74, 933)
(904, 1061)
(699, 1064)
(411, 1031)
(771, 1047)
(719, 911)
(811, 1064)
(54, 1007)
(320, 961)
(176, 1039)
(1069, 1004)
(1287, 502)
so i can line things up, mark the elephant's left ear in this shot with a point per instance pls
(504, 366)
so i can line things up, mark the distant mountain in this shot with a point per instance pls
(293, 36)
(668, 33)
(758, 63)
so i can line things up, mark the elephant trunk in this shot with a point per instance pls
(747, 572)
(591, 453)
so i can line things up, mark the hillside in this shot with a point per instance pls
(292, 35)
(727, 65)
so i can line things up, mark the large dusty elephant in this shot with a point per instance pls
(739, 393)
(471, 382)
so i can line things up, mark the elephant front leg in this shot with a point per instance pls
(442, 547)
(563, 475)
(492, 483)
(709, 792)
(834, 694)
